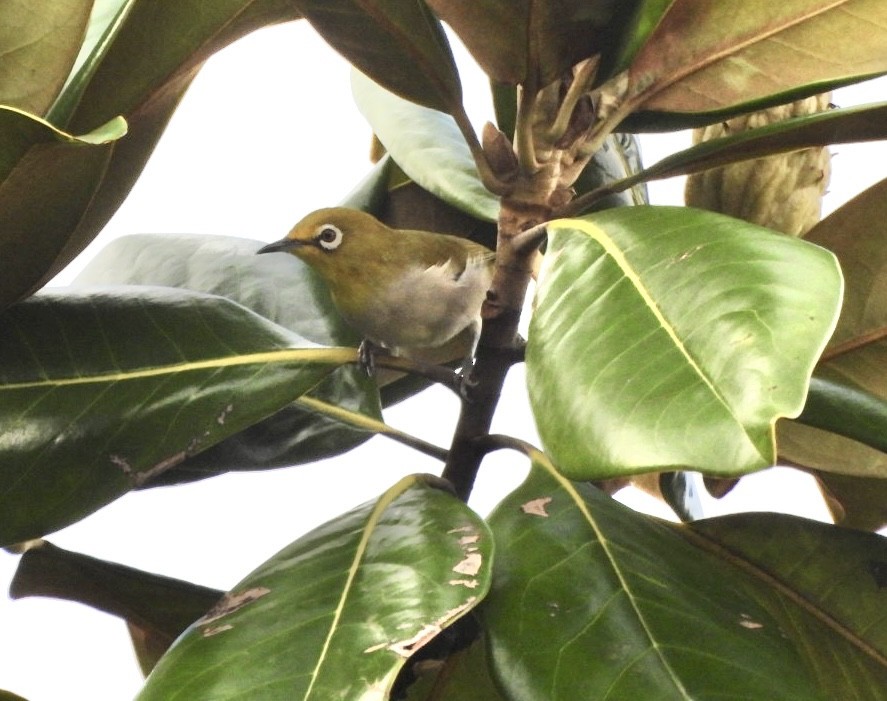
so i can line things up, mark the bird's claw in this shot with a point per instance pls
(467, 380)
(366, 357)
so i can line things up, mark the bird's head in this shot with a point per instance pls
(328, 239)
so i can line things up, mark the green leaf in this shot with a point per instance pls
(101, 390)
(337, 613)
(159, 607)
(9, 696)
(847, 410)
(637, 24)
(463, 676)
(278, 287)
(400, 45)
(667, 337)
(854, 356)
(39, 41)
(838, 126)
(140, 68)
(710, 59)
(600, 602)
(61, 172)
(529, 42)
(823, 585)
(855, 502)
(104, 22)
(428, 146)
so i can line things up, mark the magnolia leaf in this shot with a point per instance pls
(706, 58)
(337, 613)
(400, 45)
(463, 676)
(104, 22)
(427, 145)
(825, 587)
(857, 352)
(102, 390)
(156, 608)
(280, 288)
(39, 41)
(139, 67)
(61, 172)
(855, 502)
(666, 337)
(602, 602)
(850, 125)
(530, 42)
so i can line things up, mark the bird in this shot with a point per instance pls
(415, 294)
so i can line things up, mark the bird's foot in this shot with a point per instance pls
(366, 356)
(467, 380)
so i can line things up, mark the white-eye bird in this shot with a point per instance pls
(407, 291)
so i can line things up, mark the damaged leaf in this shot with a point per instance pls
(343, 607)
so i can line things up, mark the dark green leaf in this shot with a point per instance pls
(48, 178)
(825, 586)
(463, 676)
(840, 407)
(39, 41)
(159, 606)
(666, 337)
(855, 502)
(400, 45)
(101, 390)
(600, 602)
(337, 613)
(280, 288)
(839, 126)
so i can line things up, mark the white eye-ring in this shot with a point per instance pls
(328, 237)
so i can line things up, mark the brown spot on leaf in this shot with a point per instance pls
(470, 565)
(232, 602)
(746, 622)
(215, 630)
(536, 507)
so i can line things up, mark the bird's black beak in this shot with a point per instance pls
(283, 245)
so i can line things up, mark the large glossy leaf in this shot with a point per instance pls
(400, 45)
(825, 587)
(667, 337)
(857, 352)
(427, 145)
(463, 676)
(599, 602)
(704, 57)
(532, 42)
(140, 68)
(278, 287)
(855, 502)
(157, 608)
(39, 163)
(101, 390)
(104, 23)
(39, 40)
(337, 613)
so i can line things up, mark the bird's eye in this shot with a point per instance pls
(328, 237)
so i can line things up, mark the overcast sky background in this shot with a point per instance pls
(267, 133)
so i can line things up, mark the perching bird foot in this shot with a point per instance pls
(366, 356)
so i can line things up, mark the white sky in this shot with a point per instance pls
(267, 133)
